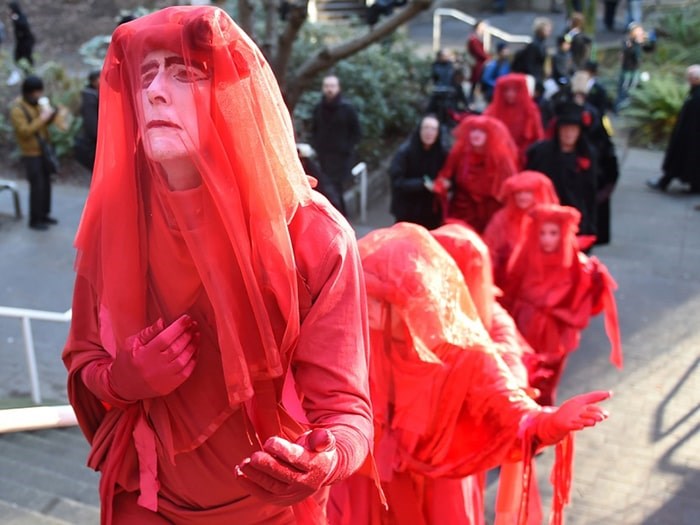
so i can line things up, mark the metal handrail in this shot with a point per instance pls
(26, 315)
(489, 32)
(360, 171)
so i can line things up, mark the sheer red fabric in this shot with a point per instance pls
(477, 172)
(512, 104)
(553, 295)
(503, 230)
(199, 204)
(445, 404)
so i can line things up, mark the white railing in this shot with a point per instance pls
(359, 175)
(26, 316)
(36, 418)
(489, 33)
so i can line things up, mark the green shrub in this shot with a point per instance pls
(386, 83)
(654, 108)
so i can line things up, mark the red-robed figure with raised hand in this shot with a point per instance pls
(519, 194)
(513, 105)
(445, 404)
(482, 158)
(552, 290)
(215, 292)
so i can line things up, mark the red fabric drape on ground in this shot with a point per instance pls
(521, 115)
(503, 230)
(477, 174)
(552, 296)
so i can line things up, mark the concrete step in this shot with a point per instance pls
(44, 480)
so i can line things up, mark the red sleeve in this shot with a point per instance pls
(331, 363)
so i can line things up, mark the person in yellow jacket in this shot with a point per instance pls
(30, 121)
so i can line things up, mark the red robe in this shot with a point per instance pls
(552, 296)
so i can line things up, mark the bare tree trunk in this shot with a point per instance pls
(296, 17)
(269, 42)
(245, 17)
(329, 55)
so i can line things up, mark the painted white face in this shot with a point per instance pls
(550, 237)
(477, 138)
(429, 130)
(524, 199)
(173, 95)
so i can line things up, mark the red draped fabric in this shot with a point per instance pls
(517, 111)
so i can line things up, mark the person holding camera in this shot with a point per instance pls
(30, 115)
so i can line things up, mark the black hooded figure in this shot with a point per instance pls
(413, 169)
(24, 38)
(573, 168)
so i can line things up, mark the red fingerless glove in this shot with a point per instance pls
(156, 361)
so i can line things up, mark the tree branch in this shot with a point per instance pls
(296, 17)
(269, 39)
(327, 56)
(245, 17)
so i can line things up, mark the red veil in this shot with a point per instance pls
(252, 184)
(503, 230)
(477, 176)
(522, 117)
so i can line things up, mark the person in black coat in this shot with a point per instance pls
(682, 159)
(24, 38)
(530, 59)
(413, 170)
(335, 132)
(86, 141)
(571, 162)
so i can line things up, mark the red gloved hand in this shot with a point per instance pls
(574, 414)
(155, 361)
(284, 473)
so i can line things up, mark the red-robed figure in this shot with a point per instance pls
(519, 194)
(552, 290)
(482, 158)
(445, 405)
(216, 293)
(513, 105)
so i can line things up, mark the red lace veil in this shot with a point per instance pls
(499, 154)
(472, 257)
(522, 118)
(252, 183)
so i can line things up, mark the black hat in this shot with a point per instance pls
(32, 83)
(568, 112)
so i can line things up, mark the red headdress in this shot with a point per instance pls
(252, 184)
(498, 155)
(522, 117)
